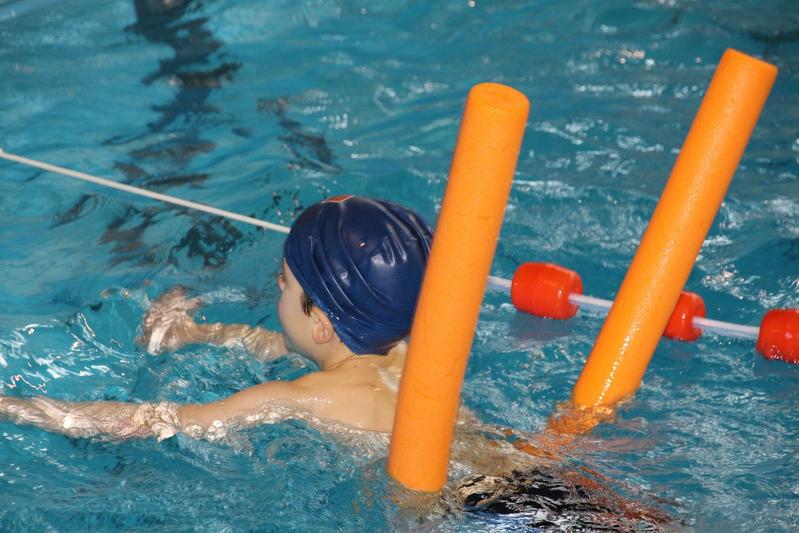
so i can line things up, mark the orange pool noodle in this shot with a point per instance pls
(454, 283)
(678, 227)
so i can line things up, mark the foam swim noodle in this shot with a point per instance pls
(466, 236)
(689, 203)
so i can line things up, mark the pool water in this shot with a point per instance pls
(266, 107)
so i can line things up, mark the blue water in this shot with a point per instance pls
(265, 107)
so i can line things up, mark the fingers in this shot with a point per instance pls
(175, 300)
(167, 325)
(155, 343)
(143, 342)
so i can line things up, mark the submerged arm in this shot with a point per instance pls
(167, 326)
(261, 343)
(119, 420)
(115, 420)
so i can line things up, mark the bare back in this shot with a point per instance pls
(359, 392)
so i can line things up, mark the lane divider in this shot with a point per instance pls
(138, 191)
(548, 290)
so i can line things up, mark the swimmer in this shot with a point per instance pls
(349, 282)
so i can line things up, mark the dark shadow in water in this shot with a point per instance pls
(310, 151)
(198, 67)
(527, 327)
(193, 71)
(772, 40)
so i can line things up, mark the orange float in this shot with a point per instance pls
(463, 247)
(681, 220)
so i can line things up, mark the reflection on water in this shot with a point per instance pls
(198, 67)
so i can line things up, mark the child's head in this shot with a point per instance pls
(361, 261)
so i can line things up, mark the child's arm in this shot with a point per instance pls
(114, 420)
(167, 326)
(119, 420)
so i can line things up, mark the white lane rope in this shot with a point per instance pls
(142, 192)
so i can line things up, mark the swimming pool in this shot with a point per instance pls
(263, 108)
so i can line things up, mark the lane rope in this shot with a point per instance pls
(142, 192)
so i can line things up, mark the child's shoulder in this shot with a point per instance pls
(391, 363)
(355, 393)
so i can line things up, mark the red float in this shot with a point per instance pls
(681, 324)
(779, 335)
(543, 289)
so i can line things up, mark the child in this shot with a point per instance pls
(350, 279)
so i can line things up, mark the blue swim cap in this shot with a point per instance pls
(361, 261)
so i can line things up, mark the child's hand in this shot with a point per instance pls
(167, 325)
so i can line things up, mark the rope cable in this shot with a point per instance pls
(143, 192)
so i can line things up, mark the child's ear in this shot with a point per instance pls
(322, 328)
